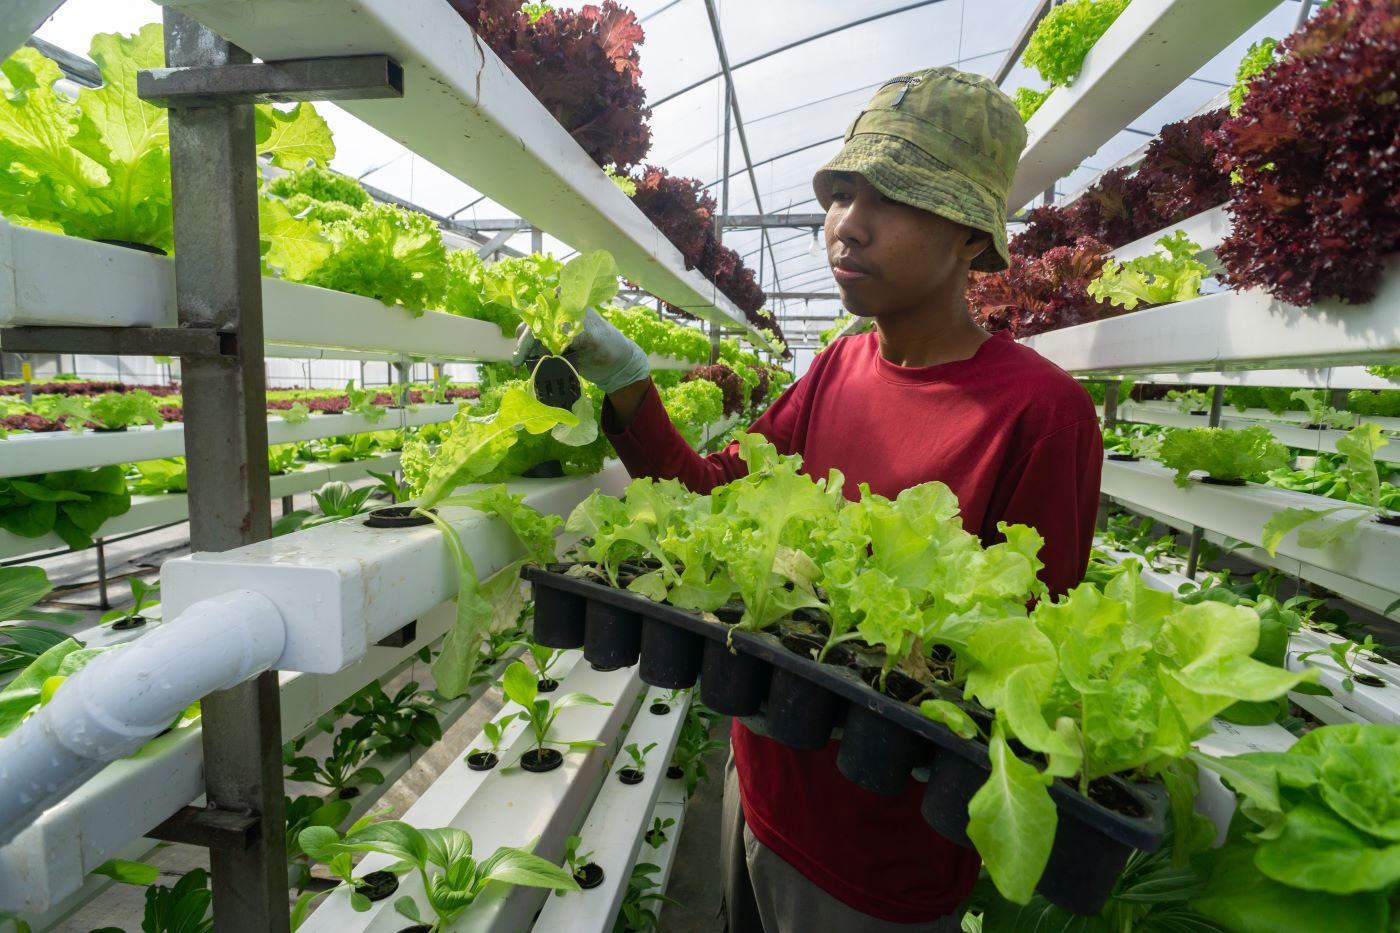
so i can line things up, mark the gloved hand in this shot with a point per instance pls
(604, 356)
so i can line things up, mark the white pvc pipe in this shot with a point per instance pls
(125, 697)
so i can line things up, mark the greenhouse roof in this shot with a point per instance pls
(801, 69)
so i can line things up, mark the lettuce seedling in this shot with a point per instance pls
(1362, 479)
(452, 879)
(143, 597)
(1320, 414)
(522, 686)
(638, 756)
(335, 499)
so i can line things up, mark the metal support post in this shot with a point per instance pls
(214, 179)
(287, 506)
(103, 602)
(536, 240)
(1193, 558)
(1338, 398)
(1110, 421)
(401, 372)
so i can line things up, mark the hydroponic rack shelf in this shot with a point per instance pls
(47, 279)
(465, 112)
(1151, 48)
(69, 450)
(1232, 330)
(507, 807)
(47, 862)
(1288, 432)
(1368, 556)
(1328, 377)
(165, 509)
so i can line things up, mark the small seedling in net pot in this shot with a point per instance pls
(657, 834)
(545, 658)
(637, 771)
(585, 871)
(663, 706)
(142, 598)
(328, 847)
(521, 686)
(636, 916)
(484, 759)
(342, 769)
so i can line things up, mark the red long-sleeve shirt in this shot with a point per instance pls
(1018, 441)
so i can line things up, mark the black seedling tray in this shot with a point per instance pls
(883, 740)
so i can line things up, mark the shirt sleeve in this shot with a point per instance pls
(1055, 489)
(651, 446)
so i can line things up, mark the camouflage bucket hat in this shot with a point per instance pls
(940, 140)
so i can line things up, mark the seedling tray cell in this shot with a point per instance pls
(559, 615)
(800, 713)
(612, 635)
(883, 738)
(671, 656)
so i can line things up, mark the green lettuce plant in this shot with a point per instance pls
(1323, 414)
(1098, 682)
(1257, 58)
(72, 504)
(1028, 101)
(1315, 843)
(1362, 479)
(159, 477)
(98, 167)
(1062, 39)
(1222, 453)
(1159, 278)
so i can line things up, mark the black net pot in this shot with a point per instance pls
(1084, 866)
(952, 782)
(540, 760)
(612, 636)
(378, 885)
(732, 684)
(876, 754)
(589, 876)
(558, 618)
(482, 761)
(799, 713)
(671, 656)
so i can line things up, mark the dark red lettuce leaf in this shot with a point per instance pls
(1316, 147)
(728, 381)
(582, 65)
(1041, 293)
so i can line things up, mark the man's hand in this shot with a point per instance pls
(605, 357)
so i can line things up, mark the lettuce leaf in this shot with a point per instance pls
(1155, 279)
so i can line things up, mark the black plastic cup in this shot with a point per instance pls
(559, 618)
(378, 885)
(732, 684)
(397, 516)
(800, 714)
(877, 754)
(630, 776)
(612, 636)
(539, 760)
(482, 761)
(589, 876)
(952, 782)
(671, 656)
(1083, 868)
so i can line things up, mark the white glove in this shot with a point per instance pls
(601, 353)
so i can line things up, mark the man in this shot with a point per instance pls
(915, 200)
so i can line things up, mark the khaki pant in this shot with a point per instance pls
(764, 894)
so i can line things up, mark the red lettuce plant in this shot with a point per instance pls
(1316, 152)
(582, 65)
(759, 395)
(1177, 178)
(728, 381)
(1041, 293)
(678, 207)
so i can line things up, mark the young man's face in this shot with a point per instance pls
(890, 258)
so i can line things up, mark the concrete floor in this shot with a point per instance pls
(695, 879)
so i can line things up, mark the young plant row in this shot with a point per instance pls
(901, 584)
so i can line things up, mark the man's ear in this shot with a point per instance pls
(974, 244)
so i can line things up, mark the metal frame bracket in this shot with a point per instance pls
(210, 828)
(121, 341)
(351, 77)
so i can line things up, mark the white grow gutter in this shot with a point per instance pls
(125, 697)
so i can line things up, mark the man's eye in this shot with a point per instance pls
(840, 196)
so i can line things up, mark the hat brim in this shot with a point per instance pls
(905, 173)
